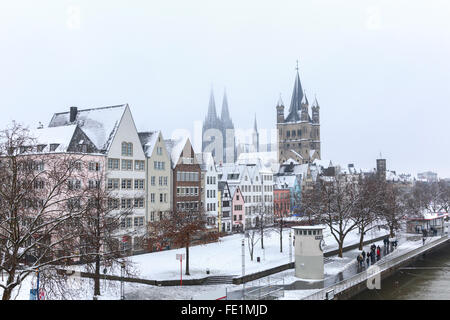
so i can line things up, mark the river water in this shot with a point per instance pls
(427, 278)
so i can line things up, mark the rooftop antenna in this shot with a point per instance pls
(297, 66)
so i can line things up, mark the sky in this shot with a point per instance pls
(380, 69)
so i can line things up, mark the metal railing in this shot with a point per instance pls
(261, 289)
(372, 272)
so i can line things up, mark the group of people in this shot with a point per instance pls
(370, 256)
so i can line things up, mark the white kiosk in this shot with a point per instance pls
(309, 246)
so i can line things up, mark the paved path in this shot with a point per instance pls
(350, 271)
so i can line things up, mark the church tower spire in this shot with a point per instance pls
(211, 117)
(296, 100)
(255, 136)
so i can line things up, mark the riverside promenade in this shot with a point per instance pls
(367, 278)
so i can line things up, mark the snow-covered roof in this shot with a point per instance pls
(148, 141)
(289, 161)
(430, 216)
(319, 227)
(283, 182)
(323, 163)
(227, 169)
(206, 160)
(62, 136)
(99, 124)
(175, 148)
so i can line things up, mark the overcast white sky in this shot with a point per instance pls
(380, 69)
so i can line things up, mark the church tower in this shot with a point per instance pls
(229, 140)
(255, 137)
(298, 133)
(218, 133)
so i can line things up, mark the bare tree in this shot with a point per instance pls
(100, 223)
(393, 209)
(368, 204)
(182, 228)
(36, 218)
(253, 236)
(264, 218)
(332, 201)
(428, 196)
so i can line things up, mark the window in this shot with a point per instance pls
(165, 181)
(113, 164)
(127, 164)
(38, 184)
(160, 197)
(139, 184)
(113, 203)
(153, 180)
(139, 165)
(139, 203)
(74, 184)
(152, 198)
(138, 221)
(127, 183)
(127, 149)
(126, 203)
(113, 184)
(94, 184)
(53, 146)
(94, 166)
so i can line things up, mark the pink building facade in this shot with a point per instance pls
(238, 210)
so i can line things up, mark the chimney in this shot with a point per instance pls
(73, 113)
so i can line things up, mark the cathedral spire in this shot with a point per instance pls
(225, 112)
(211, 117)
(296, 100)
(280, 101)
(315, 103)
(255, 127)
(306, 98)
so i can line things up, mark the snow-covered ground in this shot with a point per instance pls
(225, 257)
(221, 258)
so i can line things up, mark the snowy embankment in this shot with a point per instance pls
(225, 257)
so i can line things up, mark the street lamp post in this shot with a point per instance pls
(122, 287)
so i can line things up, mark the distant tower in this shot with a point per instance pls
(315, 124)
(211, 122)
(225, 126)
(381, 168)
(229, 140)
(280, 110)
(255, 136)
(298, 133)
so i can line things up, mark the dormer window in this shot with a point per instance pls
(41, 147)
(127, 149)
(82, 148)
(54, 146)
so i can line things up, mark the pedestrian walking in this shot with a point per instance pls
(378, 253)
(367, 259)
(360, 260)
(363, 255)
(423, 240)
